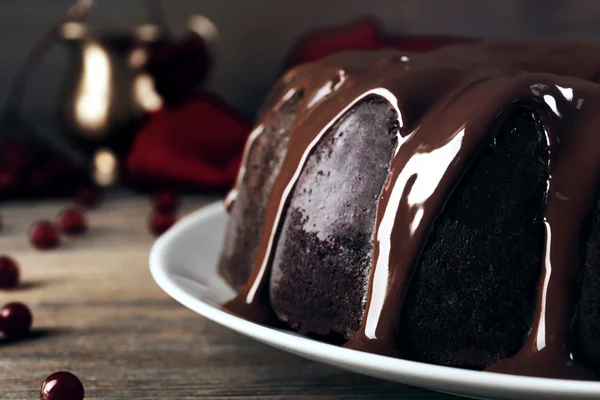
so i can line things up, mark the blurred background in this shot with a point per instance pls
(255, 36)
(215, 61)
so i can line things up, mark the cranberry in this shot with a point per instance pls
(43, 235)
(15, 320)
(88, 196)
(62, 385)
(161, 221)
(165, 201)
(72, 221)
(9, 273)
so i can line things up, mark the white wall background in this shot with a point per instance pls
(256, 34)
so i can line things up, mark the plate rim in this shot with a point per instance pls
(481, 381)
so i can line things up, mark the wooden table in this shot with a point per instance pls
(98, 313)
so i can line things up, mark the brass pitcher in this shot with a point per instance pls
(106, 92)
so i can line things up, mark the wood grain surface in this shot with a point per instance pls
(98, 313)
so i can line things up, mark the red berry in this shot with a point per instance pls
(62, 386)
(72, 221)
(44, 235)
(88, 196)
(15, 320)
(161, 221)
(9, 273)
(165, 201)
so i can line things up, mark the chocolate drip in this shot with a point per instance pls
(447, 102)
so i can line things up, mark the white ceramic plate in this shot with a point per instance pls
(183, 263)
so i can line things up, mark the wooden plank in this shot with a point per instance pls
(98, 313)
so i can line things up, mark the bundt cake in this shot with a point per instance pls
(439, 207)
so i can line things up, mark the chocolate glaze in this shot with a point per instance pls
(447, 103)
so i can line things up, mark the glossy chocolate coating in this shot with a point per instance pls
(447, 102)
(263, 156)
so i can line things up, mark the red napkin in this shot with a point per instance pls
(196, 145)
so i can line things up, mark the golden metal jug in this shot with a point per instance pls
(106, 92)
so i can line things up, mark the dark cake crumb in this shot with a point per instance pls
(321, 266)
(245, 223)
(472, 298)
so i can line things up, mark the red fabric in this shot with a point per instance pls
(365, 34)
(197, 145)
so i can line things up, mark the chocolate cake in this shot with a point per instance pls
(440, 207)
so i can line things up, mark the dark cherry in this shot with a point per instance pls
(71, 221)
(44, 235)
(62, 385)
(165, 201)
(161, 221)
(9, 273)
(179, 66)
(88, 196)
(15, 320)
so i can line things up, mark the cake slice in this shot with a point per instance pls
(263, 160)
(321, 266)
